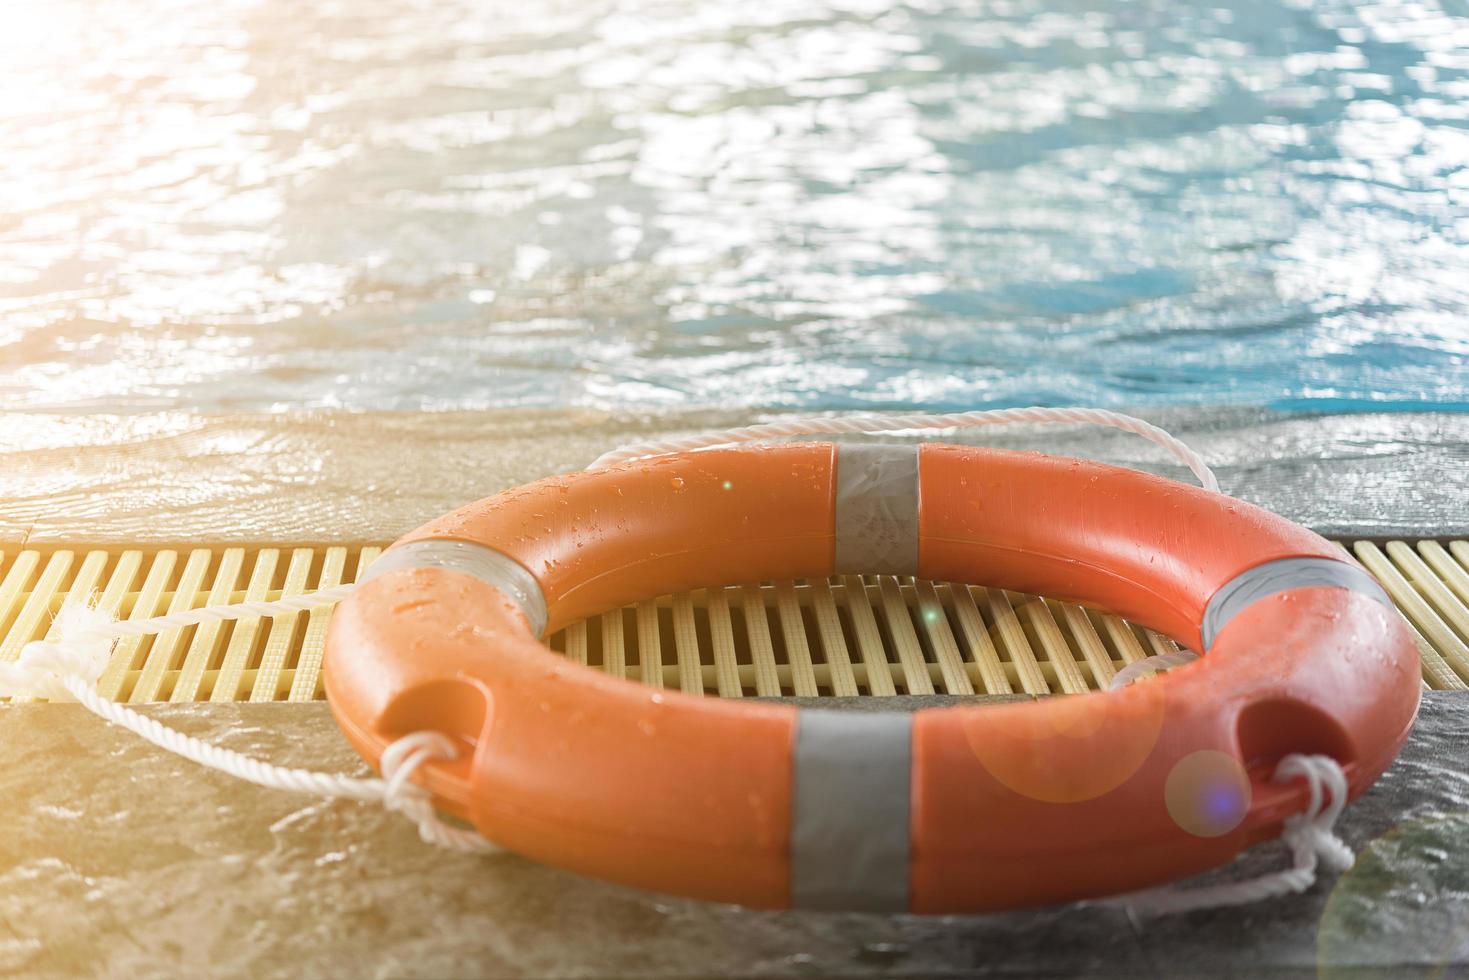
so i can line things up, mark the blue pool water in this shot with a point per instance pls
(403, 205)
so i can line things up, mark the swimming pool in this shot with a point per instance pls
(273, 206)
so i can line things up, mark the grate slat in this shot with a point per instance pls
(1014, 641)
(934, 617)
(12, 597)
(844, 637)
(981, 646)
(201, 654)
(835, 656)
(576, 642)
(1454, 575)
(757, 639)
(686, 645)
(1436, 590)
(278, 645)
(30, 621)
(1057, 651)
(873, 671)
(229, 681)
(306, 679)
(1090, 644)
(128, 654)
(1450, 648)
(722, 641)
(650, 645)
(1123, 638)
(164, 653)
(614, 648)
(1158, 644)
(901, 637)
(793, 633)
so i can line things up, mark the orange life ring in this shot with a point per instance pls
(950, 809)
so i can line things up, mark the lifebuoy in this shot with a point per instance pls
(947, 809)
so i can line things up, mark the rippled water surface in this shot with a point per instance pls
(271, 204)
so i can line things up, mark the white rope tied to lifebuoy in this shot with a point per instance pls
(1310, 835)
(1148, 666)
(67, 668)
(877, 424)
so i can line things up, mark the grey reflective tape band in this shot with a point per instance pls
(485, 564)
(877, 510)
(1256, 583)
(850, 811)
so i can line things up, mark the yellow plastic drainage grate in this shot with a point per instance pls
(859, 635)
(250, 660)
(846, 637)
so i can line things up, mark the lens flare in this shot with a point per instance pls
(1069, 749)
(1207, 793)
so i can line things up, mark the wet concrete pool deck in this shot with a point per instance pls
(119, 860)
(365, 477)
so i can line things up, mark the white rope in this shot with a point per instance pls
(1148, 666)
(68, 667)
(1311, 837)
(872, 424)
(235, 610)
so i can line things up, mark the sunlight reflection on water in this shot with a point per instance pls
(264, 205)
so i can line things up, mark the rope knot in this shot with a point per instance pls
(399, 762)
(80, 651)
(67, 666)
(1310, 835)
